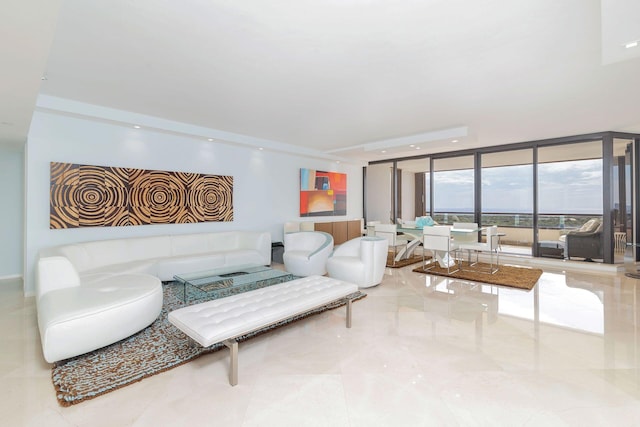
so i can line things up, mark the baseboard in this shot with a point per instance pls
(11, 277)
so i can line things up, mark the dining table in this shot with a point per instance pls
(415, 238)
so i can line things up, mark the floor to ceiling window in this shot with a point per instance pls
(507, 197)
(569, 196)
(621, 190)
(453, 189)
(549, 198)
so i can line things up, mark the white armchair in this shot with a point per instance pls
(361, 261)
(306, 252)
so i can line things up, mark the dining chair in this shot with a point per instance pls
(465, 236)
(397, 243)
(491, 245)
(371, 227)
(438, 239)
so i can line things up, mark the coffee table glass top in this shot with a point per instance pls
(222, 282)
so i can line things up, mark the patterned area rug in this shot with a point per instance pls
(155, 349)
(507, 275)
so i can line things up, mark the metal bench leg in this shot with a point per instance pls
(233, 353)
(349, 313)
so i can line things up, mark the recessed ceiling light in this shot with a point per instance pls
(383, 151)
(136, 127)
(210, 139)
(338, 161)
(260, 148)
(412, 145)
(454, 141)
(417, 148)
(629, 45)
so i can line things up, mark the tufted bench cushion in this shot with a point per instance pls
(224, 319)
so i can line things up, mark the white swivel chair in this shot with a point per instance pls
(306, 252)
(361, 261)
(438, 239)
(491, 246)
(397, 243)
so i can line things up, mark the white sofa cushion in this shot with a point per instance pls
(167, 268)
(144, 248)
(133, 267)
(189, 244)
(243, 256)
(79, 319)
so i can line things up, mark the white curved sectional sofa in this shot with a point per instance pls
(92, 294)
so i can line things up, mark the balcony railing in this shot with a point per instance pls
(520, 220)
(517, 228)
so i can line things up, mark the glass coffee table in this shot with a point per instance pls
(221, 282)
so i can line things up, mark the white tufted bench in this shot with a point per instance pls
(225, 319)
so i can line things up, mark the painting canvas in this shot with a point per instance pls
(104, 196)
(322, 193)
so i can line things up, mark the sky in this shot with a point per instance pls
(564, 188)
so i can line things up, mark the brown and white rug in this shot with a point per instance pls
(155, 349)
(507, 275)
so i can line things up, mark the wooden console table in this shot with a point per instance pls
(341, 230)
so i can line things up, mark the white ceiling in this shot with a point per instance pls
(342, 77)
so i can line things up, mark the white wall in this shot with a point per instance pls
(379, 192)
(11, 214)
(266, 183)
(408, 195)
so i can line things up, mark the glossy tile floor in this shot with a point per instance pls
(423, 351)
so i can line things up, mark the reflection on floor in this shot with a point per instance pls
(423, 350)
(618, 255)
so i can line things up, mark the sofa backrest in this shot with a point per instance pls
(188, 244)
(591, 226)
(91, 255)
